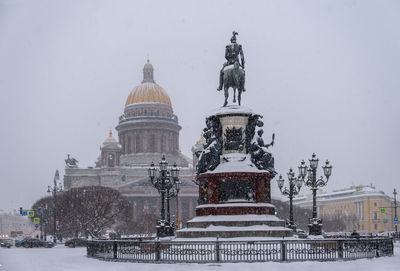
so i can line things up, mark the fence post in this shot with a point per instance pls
(377, 248)
(283, 251)
(217, 250)
(158, 252)
(392, 244)
(340, 249)
(115, 249)
(89, 249)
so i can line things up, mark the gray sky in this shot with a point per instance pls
(325, 75)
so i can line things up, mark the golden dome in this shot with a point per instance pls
(148, 91)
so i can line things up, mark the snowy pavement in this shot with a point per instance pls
(62, 258)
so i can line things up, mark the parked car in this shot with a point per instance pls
(18, 243)
(36, 243)
(301, 233)
(76, 242)
(6, 243)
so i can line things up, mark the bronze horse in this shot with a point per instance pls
(234, 78)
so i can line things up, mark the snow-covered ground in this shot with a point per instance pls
(62, 258)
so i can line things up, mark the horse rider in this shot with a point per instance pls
(232, 52)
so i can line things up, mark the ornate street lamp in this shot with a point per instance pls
(55, 189)
(166, 181)
(175, 176)
(293, 190)
(315, 224)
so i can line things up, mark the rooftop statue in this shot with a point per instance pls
(232, 73)
(71, 162)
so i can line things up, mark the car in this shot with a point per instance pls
(6, 243)
(29, 243)
(76, 242)
(18, 243)
(301, 233)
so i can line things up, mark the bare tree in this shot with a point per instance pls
(340, 221)
(44, 208)
(93, 209)
(301, 215)
(87, 211)
(146, 225)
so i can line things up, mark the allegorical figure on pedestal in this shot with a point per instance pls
(232, 73)
(209, 159)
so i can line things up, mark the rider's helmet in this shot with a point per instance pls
(233, 39)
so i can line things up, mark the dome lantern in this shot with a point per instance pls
(148, 72)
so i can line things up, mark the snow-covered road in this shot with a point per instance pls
(73, 259)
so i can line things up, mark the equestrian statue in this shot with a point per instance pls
(232, 73)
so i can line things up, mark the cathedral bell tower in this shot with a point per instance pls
(110, 152)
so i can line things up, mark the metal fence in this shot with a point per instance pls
(236, 251)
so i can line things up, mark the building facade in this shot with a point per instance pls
(13, 221)
(147, 129)
(361, 208)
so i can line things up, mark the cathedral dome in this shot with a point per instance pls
(110, 142)
(148, 91)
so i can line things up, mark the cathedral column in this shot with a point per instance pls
(134, 142)
(176, 137)
(158, 141)
(145, 141)
(180, 210)
(134, 211)
(190, 208)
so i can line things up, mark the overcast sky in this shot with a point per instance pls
(325, 75)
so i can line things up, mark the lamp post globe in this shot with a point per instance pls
(303, 169)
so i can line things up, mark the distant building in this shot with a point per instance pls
(147, 129)
(13, 221)
(359, 207)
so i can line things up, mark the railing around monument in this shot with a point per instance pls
(236, 251)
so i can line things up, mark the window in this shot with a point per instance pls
(376, 215)
(110, 160)
(376, 226)
(375, 204)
